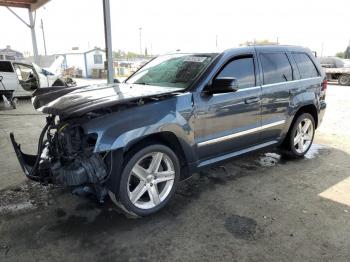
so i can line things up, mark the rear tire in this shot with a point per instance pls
(344, 80)
(300, 136)
(148, 180)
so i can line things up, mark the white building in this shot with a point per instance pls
(10, 54)
(85, 61)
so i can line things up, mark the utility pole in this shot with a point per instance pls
(108, 41)
(42, 28)
(140, 40)
(32, 30)
(216, 41)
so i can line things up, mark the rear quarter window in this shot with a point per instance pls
(307, 68)
(276, 68)
(6, 66)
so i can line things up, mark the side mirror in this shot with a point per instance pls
(222, 85)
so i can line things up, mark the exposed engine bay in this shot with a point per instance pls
(65, 157)
(65, 153)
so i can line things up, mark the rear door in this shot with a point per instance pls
(277, 72)
(229, 121)
(310, 81)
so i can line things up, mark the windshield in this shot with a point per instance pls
(176, 70)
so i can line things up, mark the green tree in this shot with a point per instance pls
(131, 55)
(117, 54)
(340, 54)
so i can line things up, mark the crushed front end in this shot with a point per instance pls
(65, 156)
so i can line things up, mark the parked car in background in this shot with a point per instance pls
(24, 78)
(177, 114)
(336, 69)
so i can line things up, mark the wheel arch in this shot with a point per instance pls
(309, 108)
(121, 156)
(286, 147)
(166, 138)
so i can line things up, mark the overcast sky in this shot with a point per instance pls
(182, 24)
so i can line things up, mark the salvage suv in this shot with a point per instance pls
(177, 114)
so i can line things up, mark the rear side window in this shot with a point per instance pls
(242, 69)
(306, 67)
(276, 68)
(6, 66)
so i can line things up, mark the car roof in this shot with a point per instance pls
(250, 48)
(290, 48)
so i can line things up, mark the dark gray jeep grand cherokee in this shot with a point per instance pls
(177, 114)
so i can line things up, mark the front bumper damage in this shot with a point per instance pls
(27, 162)
(63, 158)
(30, 163)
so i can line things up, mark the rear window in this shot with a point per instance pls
(276, 68)
(306, 67)
(6, 66)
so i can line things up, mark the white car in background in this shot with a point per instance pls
(24, 78)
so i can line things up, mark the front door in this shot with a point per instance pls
(229, 122)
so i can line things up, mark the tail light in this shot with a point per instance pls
(324, 85)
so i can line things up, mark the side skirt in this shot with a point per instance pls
(218, 159)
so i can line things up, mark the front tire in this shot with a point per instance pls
(301, 136)
(149, 179)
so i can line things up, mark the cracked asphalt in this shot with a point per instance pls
(257, 208)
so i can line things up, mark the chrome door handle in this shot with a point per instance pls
(252, 100)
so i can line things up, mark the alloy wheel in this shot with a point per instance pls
(303, 136)
(151, 180)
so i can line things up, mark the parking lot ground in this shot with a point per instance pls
(257, 208)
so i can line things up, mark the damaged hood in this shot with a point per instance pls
(76, 101)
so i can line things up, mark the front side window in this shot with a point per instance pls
(306, 67)
(276, 68)
(242, 69)
(176, 70)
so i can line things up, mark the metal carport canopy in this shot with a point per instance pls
(32, 5)
(29, 4)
